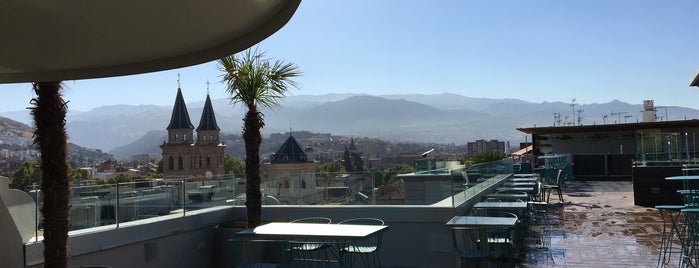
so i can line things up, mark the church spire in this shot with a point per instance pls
(208, 118)
(180, 115)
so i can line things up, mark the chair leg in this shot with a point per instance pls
(560, 194)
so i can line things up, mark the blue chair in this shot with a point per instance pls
(309, 251)
(466, 245)
(367, 249)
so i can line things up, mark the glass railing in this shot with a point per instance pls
(115, 204)
(480, 177)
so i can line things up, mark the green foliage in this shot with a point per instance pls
(160, 167)
(486, 157)
(80, 175)
(390, 175)
(153, 175)
(255, 81)
(233, 166)
(331, 167)
(27, 173)
(352, 160)
(120, 178)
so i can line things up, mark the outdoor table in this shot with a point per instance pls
(690, 227)
(691, 186)
(691, 238)
(508, 196)
(510, 206)
(526, 179)
(482, 224)
(687, 171)
(516, 189)
(334, 234)
(517, 208)
(520, 184)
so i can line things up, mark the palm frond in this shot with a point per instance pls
(252, 80)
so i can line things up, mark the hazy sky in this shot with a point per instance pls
(590, 50)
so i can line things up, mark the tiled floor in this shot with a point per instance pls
(597, 225)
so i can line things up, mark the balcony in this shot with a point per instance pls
(138, 235)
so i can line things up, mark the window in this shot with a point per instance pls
(200, 161)
(208, 161)
(179, 162)
(177, 136)
(170, 163)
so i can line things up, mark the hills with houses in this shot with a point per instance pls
(124, 130)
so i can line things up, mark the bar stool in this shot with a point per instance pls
(670, 214)
(690, 246)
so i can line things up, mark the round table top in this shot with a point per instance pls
(683, 178)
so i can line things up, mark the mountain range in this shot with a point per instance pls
(435, 118)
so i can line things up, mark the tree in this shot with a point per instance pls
(233, 166)
(254, 81)
(120, 178)
(29, 172)
(330, 167)
(487, 157)
(80, 175)
(49, 114)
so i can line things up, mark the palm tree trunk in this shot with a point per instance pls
(50, 135)
(252, 124)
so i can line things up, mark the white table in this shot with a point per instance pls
(292, 230)
(333, 234)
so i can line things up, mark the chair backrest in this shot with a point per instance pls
(363, 221)
(374, 241)
(558, 176)
(313, 220)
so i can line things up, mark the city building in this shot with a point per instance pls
(183, 157)
(484, 146)
(292, 174)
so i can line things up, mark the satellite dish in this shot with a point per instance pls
(208, 174)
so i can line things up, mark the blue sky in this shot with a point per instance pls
(593, 51)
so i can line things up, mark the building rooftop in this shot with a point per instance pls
(289, 152)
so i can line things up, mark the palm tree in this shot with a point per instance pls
(50, 135)
(254, 81)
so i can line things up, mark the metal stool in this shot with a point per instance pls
(672, 214)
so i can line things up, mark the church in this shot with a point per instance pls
(183, 157)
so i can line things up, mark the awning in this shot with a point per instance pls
(76, 39)
(524, 151)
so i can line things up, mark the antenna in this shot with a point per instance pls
(619, 116)
(207, 86)
(178, 80)
(572, 103)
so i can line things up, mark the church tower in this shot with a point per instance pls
(209, 149)
(182, 157)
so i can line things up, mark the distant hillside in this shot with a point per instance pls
(430, 118)
(12, 128)
(146, 144)
(17, 136)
